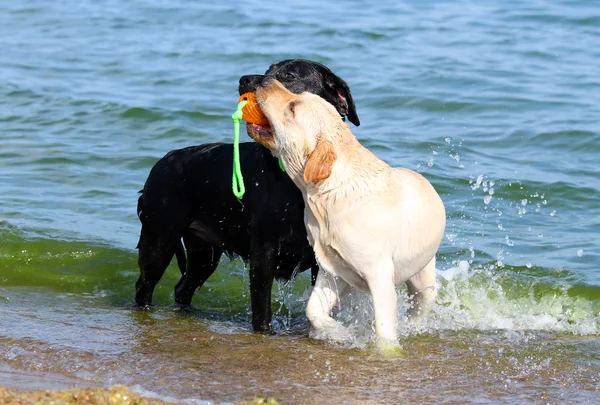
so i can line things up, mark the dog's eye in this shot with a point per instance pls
(290, 76)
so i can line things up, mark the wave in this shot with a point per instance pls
(487, 299)
(518, 299)
(472, 296)
(482, 297)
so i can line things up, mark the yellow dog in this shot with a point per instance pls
(371, 226)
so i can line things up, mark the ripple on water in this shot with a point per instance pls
(496, 103)
(182, 355)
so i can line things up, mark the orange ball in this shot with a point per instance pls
(251, 111)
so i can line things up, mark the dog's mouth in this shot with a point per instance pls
(259, 132)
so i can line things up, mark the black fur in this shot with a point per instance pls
(300, 75)
(188, 195)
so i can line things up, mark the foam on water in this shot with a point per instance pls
(500, 117)
(485, 298)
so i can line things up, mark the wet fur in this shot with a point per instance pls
(188, 196)
(372, 226)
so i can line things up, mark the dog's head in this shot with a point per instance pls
(300, 75)
(302, 125)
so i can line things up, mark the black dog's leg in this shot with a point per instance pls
(155, 254)
(202, 260)
(181, 259)
(262, 260)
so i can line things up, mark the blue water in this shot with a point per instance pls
(497, 103)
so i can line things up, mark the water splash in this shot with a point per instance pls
(486, 299)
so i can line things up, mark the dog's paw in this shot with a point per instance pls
(388, 348)
(333, 332)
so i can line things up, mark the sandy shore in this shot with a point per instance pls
(116, 395)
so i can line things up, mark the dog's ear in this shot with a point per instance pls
(342, 98)
(320, 163)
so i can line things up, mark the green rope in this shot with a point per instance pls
(237, 181)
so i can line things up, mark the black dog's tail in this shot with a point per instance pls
(179, 250)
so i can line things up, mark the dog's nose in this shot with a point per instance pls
(249, 83)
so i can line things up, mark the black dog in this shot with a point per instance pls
(188, 195)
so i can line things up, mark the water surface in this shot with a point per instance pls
(498, 104)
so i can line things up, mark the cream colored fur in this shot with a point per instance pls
(372, 226)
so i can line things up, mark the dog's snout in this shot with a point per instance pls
(266, 81)
(249, 83)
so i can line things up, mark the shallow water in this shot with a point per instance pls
(497, 104)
